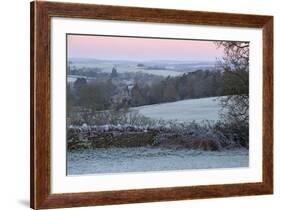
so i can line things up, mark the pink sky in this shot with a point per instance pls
(129, 48)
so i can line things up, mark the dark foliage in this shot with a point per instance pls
(235, 67)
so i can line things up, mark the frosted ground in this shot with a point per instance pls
(142, 159)
(186, 110)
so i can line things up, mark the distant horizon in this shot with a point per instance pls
(141, 49)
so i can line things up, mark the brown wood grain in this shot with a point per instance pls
(41, 14)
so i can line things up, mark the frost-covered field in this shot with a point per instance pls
(160, 152)
(185, 110)
(142, 159)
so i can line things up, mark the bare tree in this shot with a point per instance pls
(235, 68)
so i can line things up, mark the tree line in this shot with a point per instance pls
(193, 85)
(98, 95)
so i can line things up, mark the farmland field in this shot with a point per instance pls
(184, 110)
(122, 68)
(168, 69)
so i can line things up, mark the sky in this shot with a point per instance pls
(132, 48)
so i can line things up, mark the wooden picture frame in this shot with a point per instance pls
(40, 188)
